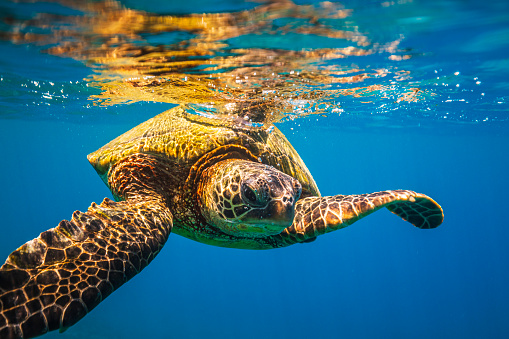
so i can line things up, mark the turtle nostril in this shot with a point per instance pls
(287, 200)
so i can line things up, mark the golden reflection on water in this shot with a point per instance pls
(202, 63)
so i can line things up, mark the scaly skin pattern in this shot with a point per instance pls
(251, 200)
(315, 216)
(53, 281)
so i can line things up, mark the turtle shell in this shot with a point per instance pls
(185, 138)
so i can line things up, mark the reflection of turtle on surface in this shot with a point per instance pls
(221, 183)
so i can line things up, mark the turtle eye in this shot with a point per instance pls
(250, 196)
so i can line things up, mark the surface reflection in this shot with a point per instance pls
(409, 62)
(274, 60)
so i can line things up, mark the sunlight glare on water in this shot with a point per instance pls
(397, 60)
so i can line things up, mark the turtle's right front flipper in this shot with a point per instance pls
(315, 216)
(52, 281)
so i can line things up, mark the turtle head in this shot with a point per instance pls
(247, 199)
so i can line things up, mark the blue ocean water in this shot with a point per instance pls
(380, 277)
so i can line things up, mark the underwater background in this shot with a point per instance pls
(378, 278)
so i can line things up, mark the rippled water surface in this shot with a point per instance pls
(430, 61)
(373, 95)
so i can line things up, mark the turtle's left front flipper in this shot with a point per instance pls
(54, 280)
(315, 216)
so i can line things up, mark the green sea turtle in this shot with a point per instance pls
(223, 183)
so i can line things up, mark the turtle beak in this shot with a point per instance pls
(282, 210)
(281, 213)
